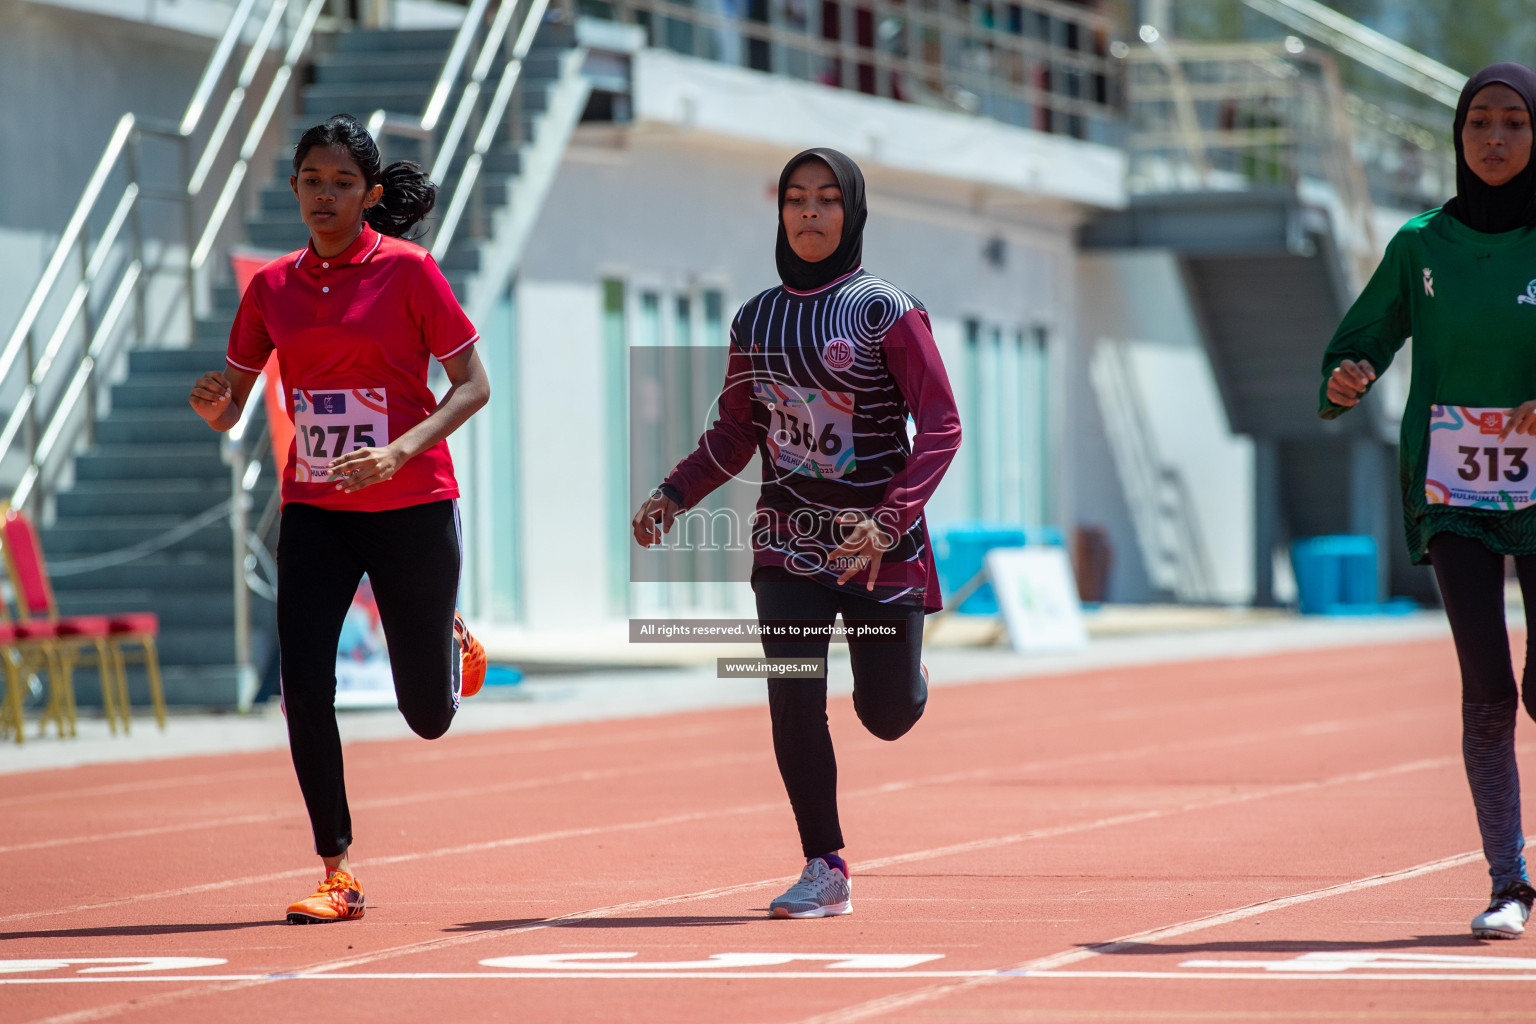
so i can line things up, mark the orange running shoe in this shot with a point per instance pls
(471, 658)
(339, 897)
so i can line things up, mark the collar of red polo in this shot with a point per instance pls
(364, 246)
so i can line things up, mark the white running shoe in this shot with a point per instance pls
(1506, 914)
(822, 891)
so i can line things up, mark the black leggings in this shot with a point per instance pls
(1471, 581)
(411, 556)
(889, 692)
(1472, 588)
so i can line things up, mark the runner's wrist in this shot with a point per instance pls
(227, 418)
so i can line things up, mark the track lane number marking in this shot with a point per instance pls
(722, 961)
(1344, 960)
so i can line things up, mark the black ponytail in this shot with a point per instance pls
(408, 197)
(408, 194)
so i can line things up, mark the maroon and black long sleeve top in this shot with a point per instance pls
(821, 384)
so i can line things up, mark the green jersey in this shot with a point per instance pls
(1468, 300)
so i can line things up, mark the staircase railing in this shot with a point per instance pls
(44, 422)
(1346, 36)
(1237, 115)
(1162, 507)
(472, 130)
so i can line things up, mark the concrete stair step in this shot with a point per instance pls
(154, 497)
(504, 160)
(225, 298)
(284, 234)
(321, 101)
(462, 255)
(155, 391)
(385, 43)
(535, 99)
(542, 63)
(200, 572)
(278, 199)
(151, 426)
(555, 34)
(87, 535)
(213, 331)
(167, 361)
(419, 65)
(151, 462)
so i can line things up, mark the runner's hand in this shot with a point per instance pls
(211, 396)
(356, 470)
(1522, 420)
(657, 506)
(863, 539)
(1348, 382)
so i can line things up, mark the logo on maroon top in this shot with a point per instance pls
(838, 354)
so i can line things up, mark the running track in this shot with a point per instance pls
(1286, 838)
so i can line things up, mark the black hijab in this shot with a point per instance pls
(804, 276)
(1477, 204)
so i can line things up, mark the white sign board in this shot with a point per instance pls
(1038, 598)
(363, 675)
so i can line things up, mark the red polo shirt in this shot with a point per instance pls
(353, 334)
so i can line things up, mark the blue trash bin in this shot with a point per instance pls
(1335, 575)
(962, 552)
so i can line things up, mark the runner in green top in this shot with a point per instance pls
(1461, 281)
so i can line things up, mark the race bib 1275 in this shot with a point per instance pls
(333, 422)
(1470, 467)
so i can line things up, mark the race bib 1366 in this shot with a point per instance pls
(810, 431)
(333, 422)
(1470, 467)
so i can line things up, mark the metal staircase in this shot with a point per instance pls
(143, 511)
(1244, 165)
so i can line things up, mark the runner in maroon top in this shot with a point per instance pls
(368, 486)
(822, 376)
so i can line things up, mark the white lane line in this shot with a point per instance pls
(1478, 976)
(457, 793)
(505, 975)
(1044, 967)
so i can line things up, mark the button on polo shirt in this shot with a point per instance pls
(370, 317)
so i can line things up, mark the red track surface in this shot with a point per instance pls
(1022, 825)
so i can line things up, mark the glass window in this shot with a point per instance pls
(616, 404)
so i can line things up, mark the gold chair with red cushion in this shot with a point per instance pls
(15, 681)
(23, 652)
(103, 635)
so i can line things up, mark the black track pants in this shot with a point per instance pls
(1471, 581)
(889, 692)
(411, 556)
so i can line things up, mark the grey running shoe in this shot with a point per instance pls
(1506, 914)
(822, 891)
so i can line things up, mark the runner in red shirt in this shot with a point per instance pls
(368, 487)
